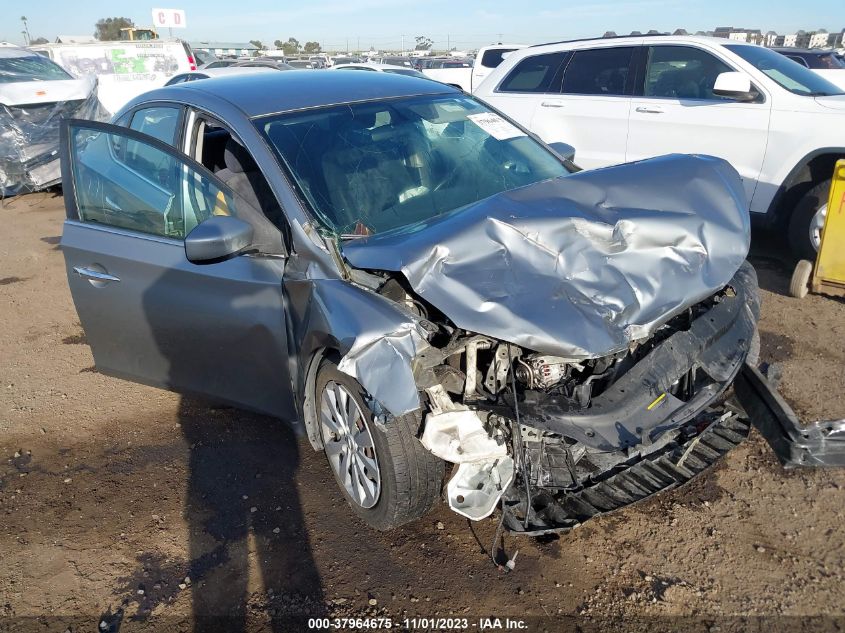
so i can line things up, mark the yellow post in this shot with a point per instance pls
(830, 262)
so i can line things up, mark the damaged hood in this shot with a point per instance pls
(578, 266)
(23, 93)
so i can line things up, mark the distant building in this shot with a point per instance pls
(801, 39)
(680, 32)
(609, 34)
(770, 39)
(819, 39)
(751, 36)
(723, 31)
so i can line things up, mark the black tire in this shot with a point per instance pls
(799, 222)
(411, 477)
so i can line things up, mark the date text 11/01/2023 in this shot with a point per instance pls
(418, 623)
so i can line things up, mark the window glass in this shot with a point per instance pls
(493, 57)
(30, 68)
(150, 191)
(600, 71)
(797, 79)
(682, 72)
(799, 60)
(158, 122)
(829, 61)
(535, 74)
(371, 167)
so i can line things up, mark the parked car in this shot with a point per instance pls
(345, 60)
(303, 64)
(264, 62)
(124, 69)
(35, 95)
(396, 61)
(412, 279)
(218, 63)
(624, 99)
(217, 72)
(826, 63)
(203, 58)
(468, 77)
(383, 68)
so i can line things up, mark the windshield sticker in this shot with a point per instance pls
(496, 126)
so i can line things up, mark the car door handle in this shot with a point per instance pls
(94, 275)
(647, 110)
(552, 104)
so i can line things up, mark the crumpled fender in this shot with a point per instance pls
(376, 340)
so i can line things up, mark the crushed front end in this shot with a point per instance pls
(556, 441)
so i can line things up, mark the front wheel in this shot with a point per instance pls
(807, 221)
(383, 471)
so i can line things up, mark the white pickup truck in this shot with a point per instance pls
(469, 77)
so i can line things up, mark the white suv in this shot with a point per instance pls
(622, 99)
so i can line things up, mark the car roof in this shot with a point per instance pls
(257, 94)
(637, 40)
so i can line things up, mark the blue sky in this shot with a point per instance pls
(465, 24)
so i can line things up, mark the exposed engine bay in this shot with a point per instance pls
(556, 440)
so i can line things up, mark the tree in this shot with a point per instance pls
(39, 40)
(257, 44)
(423, 43)
(312, 47)
(108, 29)
(291, 47)
(25, 31)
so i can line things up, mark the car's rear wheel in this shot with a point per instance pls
(807, 221)
(383, 471)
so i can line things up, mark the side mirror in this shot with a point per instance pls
(219, 237)
(734, 85)
(564, 149)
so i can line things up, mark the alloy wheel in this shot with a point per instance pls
(349, 445)
(816, 226)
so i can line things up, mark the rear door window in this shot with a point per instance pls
(599, 71)
(539, 73)
(160, 122)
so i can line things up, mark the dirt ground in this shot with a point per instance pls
(123, 507)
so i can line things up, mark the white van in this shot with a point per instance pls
(124, 69)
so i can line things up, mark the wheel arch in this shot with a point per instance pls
(309, 405)
(810, 170)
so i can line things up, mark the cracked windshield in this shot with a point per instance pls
(372, 167)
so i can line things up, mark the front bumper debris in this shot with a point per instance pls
(628, 482)
(817, 444)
